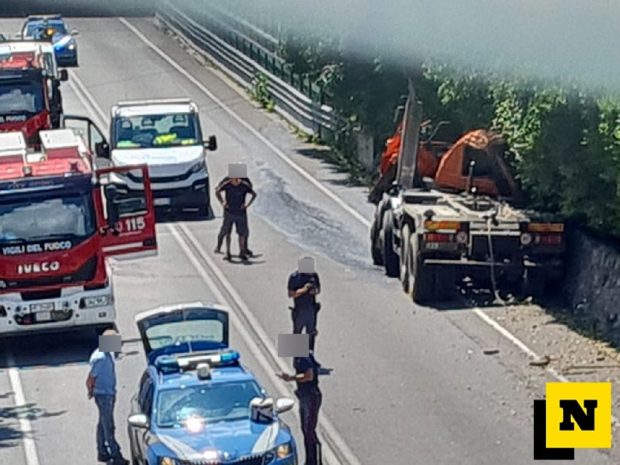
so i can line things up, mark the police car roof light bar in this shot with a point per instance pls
(176, 363)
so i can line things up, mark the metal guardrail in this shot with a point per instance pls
(296, 98)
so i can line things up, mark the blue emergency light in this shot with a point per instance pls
(175, 363)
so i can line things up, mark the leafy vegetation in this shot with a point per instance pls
(565, 141)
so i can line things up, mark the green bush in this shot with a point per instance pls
(565, 142)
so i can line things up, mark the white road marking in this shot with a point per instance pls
(516, 341)
(264, 340)
(478, 312)
(30, 447)
(246, 125)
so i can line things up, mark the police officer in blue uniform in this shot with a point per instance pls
(303, 289)
(310, 399)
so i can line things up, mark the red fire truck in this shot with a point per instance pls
(60, 218)
(30, 98)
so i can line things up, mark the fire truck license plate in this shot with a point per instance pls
(160, 202)
(44, 316)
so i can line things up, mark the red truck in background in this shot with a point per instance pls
(60, 218)
(30, 98)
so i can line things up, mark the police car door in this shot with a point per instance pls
(141, 436)
(183, 328)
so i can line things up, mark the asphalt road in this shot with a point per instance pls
(410, 385)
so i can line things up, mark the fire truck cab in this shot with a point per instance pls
(60, 219)
(30, 97)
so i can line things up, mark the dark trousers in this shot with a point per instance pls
(309, 406)
(240, 221)
(106, 442)
(305, 317)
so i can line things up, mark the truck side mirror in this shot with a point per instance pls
(111, 196)
(102, 149)
(64, 75)
(211, 144)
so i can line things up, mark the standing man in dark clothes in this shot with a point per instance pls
(310, 398)
(222, 234)
(235, 207)
(303, 287)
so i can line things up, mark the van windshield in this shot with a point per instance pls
(156, 131)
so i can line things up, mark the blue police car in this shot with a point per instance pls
(53, 28)
(196, 403)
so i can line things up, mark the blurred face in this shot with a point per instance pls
(235, 181)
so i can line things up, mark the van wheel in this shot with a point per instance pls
(390, 258)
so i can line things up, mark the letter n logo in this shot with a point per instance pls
(578, 415)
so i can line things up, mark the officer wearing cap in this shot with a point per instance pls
(310, 399)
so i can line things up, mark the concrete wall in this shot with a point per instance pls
(592, 288)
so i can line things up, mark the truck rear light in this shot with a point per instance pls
(546, 227)
(432, 237)
(442, 225)
(549, 239)
(526, 239)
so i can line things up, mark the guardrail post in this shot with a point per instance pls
(365, 150)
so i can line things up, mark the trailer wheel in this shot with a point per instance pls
(375, 245)
(390, 259)
(421, 277)
(404, 259)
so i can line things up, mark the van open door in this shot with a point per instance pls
(127, 222)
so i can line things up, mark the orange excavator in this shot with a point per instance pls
(447, 165)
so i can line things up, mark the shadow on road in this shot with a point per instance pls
(10, 434)
(166, 216)
(54, 350)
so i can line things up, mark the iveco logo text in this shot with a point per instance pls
(41, 267)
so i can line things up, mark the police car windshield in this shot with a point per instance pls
(67, 216)
(37, 30)
(20, 99)
(212, 402)
(156, 131)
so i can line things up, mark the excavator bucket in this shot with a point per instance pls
(407, 176)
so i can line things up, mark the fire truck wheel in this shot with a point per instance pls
(390, 259)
